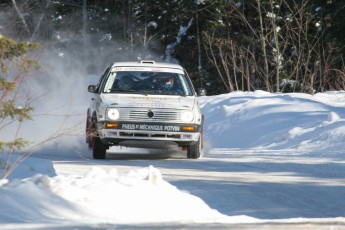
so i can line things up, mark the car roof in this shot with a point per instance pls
(147, 63)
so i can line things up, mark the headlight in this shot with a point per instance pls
(187, 116)
(113, 114)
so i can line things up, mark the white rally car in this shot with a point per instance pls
(145, 105)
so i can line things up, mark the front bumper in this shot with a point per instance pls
(137, 134)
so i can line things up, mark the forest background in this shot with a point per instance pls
(225, 45)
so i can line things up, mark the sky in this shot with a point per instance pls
(36, 194)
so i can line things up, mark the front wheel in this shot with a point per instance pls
(99, 149)
(194, 150)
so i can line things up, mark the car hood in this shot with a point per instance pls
(148, 101)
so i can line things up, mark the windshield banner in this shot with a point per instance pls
(147, 69)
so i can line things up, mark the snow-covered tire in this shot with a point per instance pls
(99, 149)
(195, 149)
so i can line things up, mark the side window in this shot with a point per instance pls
(102, 79)
(186, 84)
(110, 81)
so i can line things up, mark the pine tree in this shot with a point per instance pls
(15, 66)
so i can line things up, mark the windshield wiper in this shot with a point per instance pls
(127, 91)
(122, 90)
(163, 92)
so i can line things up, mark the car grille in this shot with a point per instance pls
(151, 115)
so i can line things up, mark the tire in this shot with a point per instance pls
(87, 130)
(99, 149)
(90, 132)
(195, 149)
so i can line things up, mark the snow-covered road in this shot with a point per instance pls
(268, 185)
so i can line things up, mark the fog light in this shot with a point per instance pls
(188, 128)
(111, 125)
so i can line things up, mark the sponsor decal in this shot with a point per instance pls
(152, 127)
(147, 69)
(149, 105)
(149, 98)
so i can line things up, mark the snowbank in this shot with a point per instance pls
(240, 120)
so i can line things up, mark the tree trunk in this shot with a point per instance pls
(21, 17)
(263, 45)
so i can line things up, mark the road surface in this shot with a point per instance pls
(284, 188)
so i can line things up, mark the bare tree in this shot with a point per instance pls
(216, 57)
(279, 47)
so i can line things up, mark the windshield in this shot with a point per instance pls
(148, 82)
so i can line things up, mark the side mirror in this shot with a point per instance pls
(201, 92)
(92, 88)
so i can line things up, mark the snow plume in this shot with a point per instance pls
(60, 97)
(58, 94)
(171, 47)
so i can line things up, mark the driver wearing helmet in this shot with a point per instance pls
(169, 83)
(163, 83)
